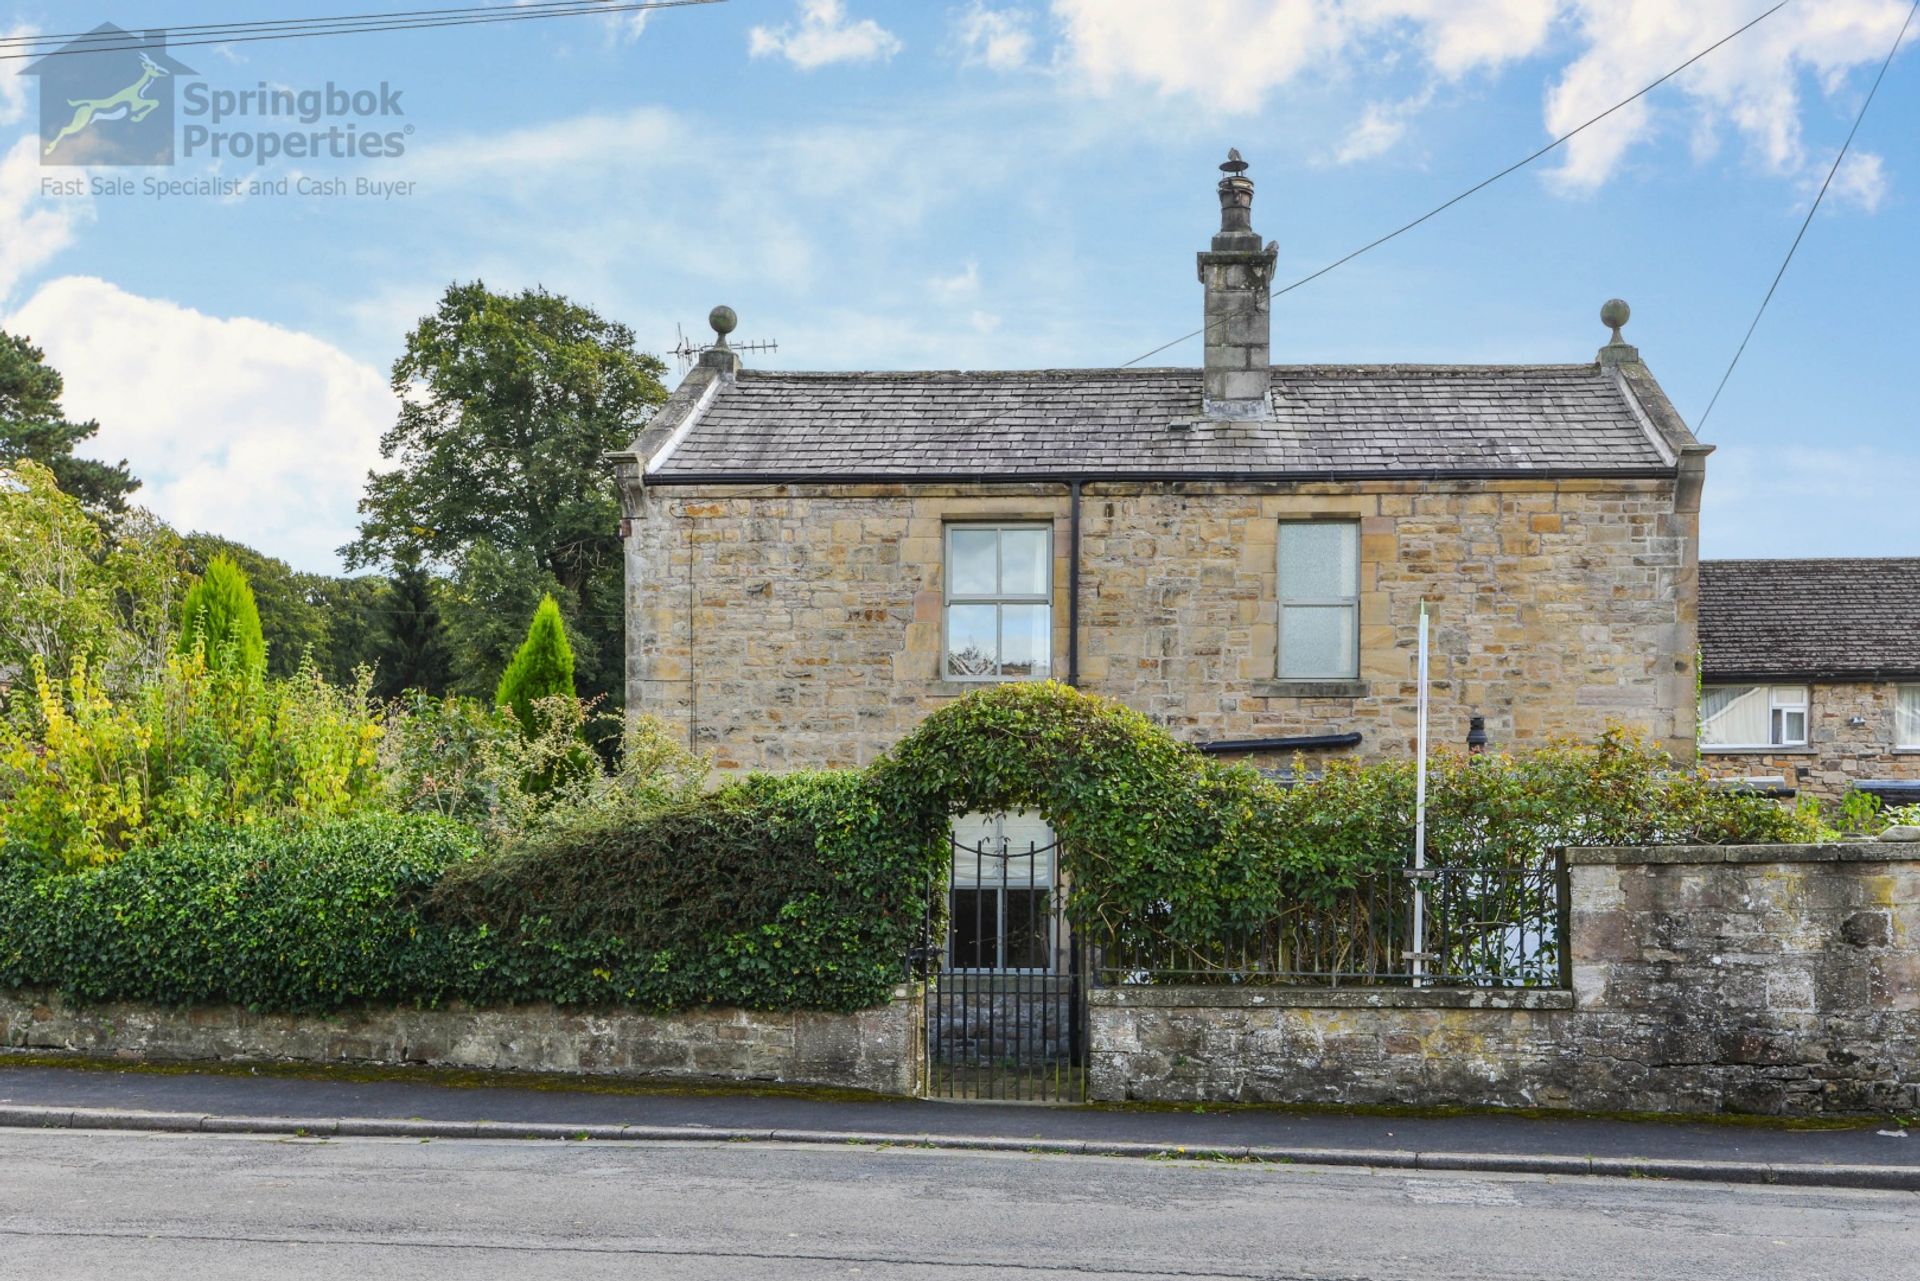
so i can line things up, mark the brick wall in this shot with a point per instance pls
(1770, 979)
(816, 614)
(1838, 752)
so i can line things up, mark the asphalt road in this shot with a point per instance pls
(88, 1205)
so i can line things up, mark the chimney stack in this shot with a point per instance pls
(1238, 275)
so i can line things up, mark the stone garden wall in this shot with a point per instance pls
(877, 1049)
(1771, 979)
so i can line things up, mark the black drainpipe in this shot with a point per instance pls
(1073, 586)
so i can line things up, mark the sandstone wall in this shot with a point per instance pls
(1770, 979)
(785, 628)
(879, 1049)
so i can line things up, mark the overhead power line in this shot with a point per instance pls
(1486, 182)
(74, 44)
(1811, 211)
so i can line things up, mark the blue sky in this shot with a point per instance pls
(878, 183)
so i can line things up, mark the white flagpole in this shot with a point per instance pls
(1420, 821)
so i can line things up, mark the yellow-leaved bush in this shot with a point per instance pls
(85, 777)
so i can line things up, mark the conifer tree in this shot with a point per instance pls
(542, 668)
(413, 651)
(220, 613)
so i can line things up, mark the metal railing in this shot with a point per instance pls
(1489, 926)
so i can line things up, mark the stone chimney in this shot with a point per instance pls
(1238, 275)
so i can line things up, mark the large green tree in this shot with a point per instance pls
(33, 426)
(411, 641)
(508, 403)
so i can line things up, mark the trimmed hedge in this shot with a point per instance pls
(770, 893)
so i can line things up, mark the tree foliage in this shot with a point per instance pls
(412, 651)
(71, 586)
(220, 616)
(508, 403)
(33, 426)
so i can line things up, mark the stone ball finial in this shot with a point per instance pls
(1613, 314)
(724, 321)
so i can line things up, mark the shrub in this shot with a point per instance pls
(462, 759)
(85, 777)
(541, 669)
(219, 616)
(269, 918)
(771, 892)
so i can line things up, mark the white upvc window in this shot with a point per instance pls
(1753, 716)
(1906, 717)
(999, 606)
(1319, 599)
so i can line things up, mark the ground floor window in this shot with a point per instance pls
(1002, 911)
(1757, 716)
(1906, 717)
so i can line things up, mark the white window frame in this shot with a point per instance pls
(1782, 702)
(1903, 694)
(1284, 601)
(1000, 892)
(996, 599)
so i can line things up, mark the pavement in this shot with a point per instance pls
(424, 1104)
(230, 1207)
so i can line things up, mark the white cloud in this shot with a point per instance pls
(237, 426)
(1380, 128)
(33, 227)
(1751, 85)
(1229, 54)
(961, 284)
(1861, 180)
(1001, 39)
(824, 35)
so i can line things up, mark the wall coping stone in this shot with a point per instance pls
(1863, 851)
(1203, 996)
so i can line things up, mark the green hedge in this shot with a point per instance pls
(769, 893)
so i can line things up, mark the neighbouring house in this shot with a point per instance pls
(817, 560)
(1810, 674)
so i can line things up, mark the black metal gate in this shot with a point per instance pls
(1004, 1010)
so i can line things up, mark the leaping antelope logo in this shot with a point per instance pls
(131, 104)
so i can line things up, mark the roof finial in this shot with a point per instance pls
(1613, 314)
(724, 322)
(1235, 165)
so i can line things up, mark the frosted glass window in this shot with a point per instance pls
(1753, 716)
(1906, 717)
(1319, 599)
(999, 610)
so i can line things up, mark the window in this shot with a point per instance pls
(1753, 716)
(1319, 600)
(1906, 717)
(1002, 896)
(999, 602)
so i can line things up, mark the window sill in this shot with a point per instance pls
(1759, 751)
(955, 689)
(1311, 689)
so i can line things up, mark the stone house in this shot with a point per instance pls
(1810, 674)
(817, 560)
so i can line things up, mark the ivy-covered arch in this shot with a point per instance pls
(1144, 821)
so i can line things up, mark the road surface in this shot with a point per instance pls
(91, 1204)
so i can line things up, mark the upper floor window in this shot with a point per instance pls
(1753, 716)
(1906, 717)
(1319, 598)
(999, 602)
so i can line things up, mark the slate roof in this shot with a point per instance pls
(1358, 420)
(1853, 619)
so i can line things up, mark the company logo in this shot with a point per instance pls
(106, 98)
